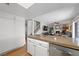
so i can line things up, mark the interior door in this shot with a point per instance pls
(41, 51)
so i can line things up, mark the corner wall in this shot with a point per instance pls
(12, 32)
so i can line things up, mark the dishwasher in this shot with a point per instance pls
(55, 50)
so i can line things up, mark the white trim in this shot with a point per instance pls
(73, 27)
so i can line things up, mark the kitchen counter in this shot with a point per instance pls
(57, 40)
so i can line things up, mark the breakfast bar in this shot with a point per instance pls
(62, 43)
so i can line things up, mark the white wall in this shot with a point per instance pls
(29, 27)
(57, 15)
(12, 32)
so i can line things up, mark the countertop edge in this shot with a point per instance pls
(56, 43)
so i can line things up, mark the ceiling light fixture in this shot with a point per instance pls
(26, 5)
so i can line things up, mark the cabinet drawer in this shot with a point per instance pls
(42, 43)
(31, 40)
(38, 42)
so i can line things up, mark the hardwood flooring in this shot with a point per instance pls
(18, 52)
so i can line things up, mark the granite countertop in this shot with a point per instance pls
(58, 40)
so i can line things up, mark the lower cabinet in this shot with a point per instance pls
(37, 48)
(41, 51)
(30, 47)
(40, 48)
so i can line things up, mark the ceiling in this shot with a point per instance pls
(26, 5)
(13, 8)
(53, 12)
(42, 8)
(44, 12)
(57, 15)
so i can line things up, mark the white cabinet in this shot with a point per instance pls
(37, 48)
(30, 48)
(41, 51)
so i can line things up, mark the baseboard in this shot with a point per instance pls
(3, 54)
(29, 53)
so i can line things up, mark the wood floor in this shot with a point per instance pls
(18, 52)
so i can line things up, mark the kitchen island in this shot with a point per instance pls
(62, 43)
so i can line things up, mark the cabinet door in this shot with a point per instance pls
(30, 47)
(41, 51)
